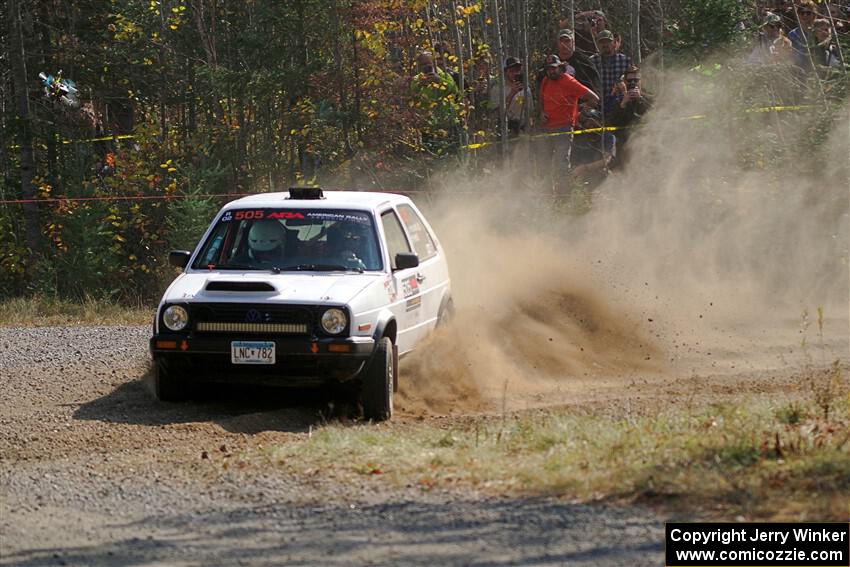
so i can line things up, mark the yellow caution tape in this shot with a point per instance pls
(480, 145)
(616, 128)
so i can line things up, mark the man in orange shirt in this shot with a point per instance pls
(559, 97)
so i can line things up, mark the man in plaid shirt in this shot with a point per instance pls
(610, 64)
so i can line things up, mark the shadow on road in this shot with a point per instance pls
(237, 408)
(491, 532)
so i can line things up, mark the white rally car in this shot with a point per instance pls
(303, 288)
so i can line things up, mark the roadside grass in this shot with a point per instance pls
(754, 458)
(43, 311)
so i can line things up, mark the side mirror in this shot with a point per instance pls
(179, 258)
(405, 260)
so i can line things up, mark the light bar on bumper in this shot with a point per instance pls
(289, 328)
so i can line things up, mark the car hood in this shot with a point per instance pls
(251, 286)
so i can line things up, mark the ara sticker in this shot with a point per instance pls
(286, 215)
(409, 286)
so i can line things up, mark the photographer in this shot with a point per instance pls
(518, 99)
(588, 26)
(632, 106)
(772, 45)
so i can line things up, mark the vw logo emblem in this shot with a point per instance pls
(252, 316)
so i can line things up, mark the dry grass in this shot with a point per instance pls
(50, 311)
(759, 459)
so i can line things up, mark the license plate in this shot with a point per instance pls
(252, 352)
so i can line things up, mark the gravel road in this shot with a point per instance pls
(96, 472)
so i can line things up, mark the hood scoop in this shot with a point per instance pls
(239, 286)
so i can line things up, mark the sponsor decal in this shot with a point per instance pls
(286, 215)
(409, 286)
(228, 216)
(390, 289)
(413, 303)
(359, 218)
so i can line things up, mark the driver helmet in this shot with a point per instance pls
(266, 238)
(349, 237)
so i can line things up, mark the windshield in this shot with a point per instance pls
(291, 240)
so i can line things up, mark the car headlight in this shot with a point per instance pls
(175, 318)
(334, 321)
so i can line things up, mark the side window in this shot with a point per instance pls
(422, 241)
(396, 240)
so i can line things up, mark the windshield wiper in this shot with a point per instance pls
(318, 268)
(232, 266)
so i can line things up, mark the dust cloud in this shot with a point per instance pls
(701, 257)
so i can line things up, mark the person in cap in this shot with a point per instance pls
(559, 105)
(577, 64)
(802, 37)
(518, 98)
(608, 62)
(772, 45)
(825, 53)
(588, 26)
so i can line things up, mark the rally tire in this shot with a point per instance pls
(377, 393)
(168, 384)
(446, 314)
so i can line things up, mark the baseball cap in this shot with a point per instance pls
(511, 61)
(553, 61)
(605, 34)
(771, 18)
(566, 33)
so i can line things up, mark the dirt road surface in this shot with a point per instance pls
(94, 471)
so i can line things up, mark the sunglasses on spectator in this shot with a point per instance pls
(805, 12)
(632, 82)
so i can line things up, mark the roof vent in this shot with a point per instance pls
(239, 286)
(306, 193)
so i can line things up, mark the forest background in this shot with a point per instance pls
(186, 103)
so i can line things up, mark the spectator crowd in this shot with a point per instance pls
(586, 81)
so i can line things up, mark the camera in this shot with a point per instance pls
(428, 69)
(593, 21)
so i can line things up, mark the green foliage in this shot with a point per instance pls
(224, 98)
(187, 220)
(13, 253)
(707, 25)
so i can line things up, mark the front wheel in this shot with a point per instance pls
(168, 384)
(377, 393)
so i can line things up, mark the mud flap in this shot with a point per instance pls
(395, 366)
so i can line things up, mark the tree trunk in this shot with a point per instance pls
(503, 123)
(22, 109)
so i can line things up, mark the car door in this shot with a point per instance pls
(432, 275)
(407, 301)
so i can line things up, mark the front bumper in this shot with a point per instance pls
(298, 360)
